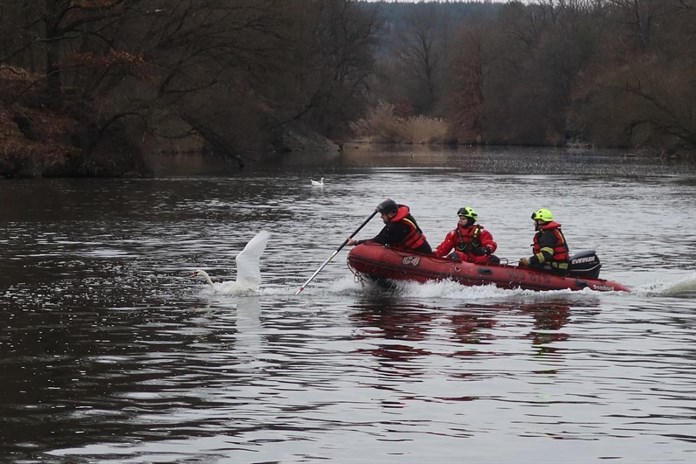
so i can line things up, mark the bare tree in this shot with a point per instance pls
(67, 24)
(420, 54)
(332, 64)
(16, 38)
(639, 17)
(465, 80)
(640, 92)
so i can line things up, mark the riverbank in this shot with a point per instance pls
(74, 139)
(38, 139)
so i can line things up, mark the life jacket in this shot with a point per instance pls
(415, 238)
(468, 238)
(561, 254)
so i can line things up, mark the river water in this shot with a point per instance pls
(111, 353)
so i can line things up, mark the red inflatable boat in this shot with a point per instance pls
(382, 264)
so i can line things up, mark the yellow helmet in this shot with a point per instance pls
(542, 214)
(467, 212)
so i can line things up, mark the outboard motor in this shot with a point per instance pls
(584, 264)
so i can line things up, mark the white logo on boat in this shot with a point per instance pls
(412, 260)
(602, 287)
(583, 260)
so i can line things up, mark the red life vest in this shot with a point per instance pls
(469, 239)
(415, 238)
(560, 251)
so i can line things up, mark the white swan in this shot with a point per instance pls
(248, 271)
(319, 183)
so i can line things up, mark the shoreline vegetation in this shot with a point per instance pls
(83, 95)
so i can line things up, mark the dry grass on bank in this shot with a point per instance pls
(382, 126)
(33, 139)
(45, 151)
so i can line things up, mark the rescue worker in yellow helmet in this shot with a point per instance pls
(550, 247)
(468, 242)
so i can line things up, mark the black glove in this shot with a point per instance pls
(479, 251)
(488, 250)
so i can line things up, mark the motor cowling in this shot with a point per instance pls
(584, 264)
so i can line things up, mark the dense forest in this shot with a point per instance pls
(88, 86)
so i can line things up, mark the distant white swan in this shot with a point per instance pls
(248, 269)
(319, 183)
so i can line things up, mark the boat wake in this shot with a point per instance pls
(448, 290)
(683, 288)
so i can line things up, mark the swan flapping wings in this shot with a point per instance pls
(248, 272)
(248, 269)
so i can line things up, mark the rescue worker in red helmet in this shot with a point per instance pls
(400, 229)
(469, 242)
(550, 247)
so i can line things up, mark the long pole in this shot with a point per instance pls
(335, 253)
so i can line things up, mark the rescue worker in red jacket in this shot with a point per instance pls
(400, 229)
(469, 242)
(550, 247)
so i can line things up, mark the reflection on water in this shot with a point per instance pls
(397, 327)
(549, 319)
(110, 353)
(395, 333)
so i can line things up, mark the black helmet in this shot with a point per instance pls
(387, 206)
